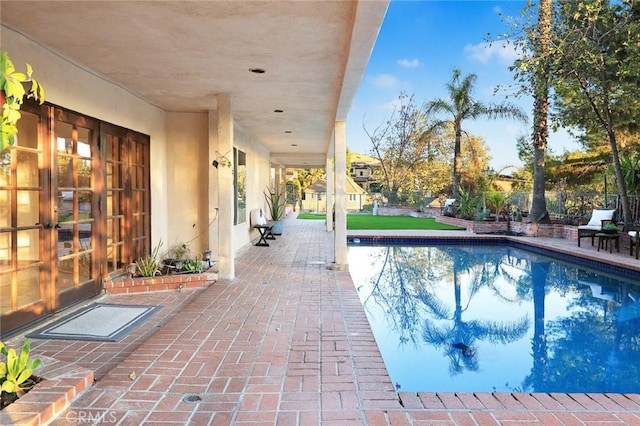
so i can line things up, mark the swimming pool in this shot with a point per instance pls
(485, 318)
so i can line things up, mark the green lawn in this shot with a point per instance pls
(358, 221)
(312, 216)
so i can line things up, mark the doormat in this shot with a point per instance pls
(98, 322)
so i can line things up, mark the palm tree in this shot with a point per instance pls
(541, 83)
(462, 106)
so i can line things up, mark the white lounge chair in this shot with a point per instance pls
(599, 218)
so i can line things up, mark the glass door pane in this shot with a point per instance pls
(22, 293)
(76, 154)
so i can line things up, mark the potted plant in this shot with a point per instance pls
(610, 228)
(177, 255)
(275, 199)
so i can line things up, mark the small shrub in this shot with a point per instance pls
(468, 205)
(480, 216)
(149, 266)
(16, 368)
(193, 265)
(179, 251)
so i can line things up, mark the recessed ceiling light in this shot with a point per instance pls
(278, 110)
(288, 131)
(257, 70)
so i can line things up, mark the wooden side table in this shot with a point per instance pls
(265, 234)
(607, 240)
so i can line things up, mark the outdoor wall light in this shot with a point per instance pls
(222, 160)
(207, 256)
(131, 269)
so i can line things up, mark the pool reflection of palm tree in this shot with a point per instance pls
(458, 338)
(595, 346)
(539, 273)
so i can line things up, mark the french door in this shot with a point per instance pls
(70, 211)
(75, 217)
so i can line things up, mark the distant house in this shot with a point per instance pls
(314, 198)
(362, 171)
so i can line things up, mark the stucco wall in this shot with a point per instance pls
(183, 181)
(258, 175)
(187, 182)
(71, 86)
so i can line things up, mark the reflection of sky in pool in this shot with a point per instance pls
(520, 321)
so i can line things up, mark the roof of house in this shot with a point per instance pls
(321, 186)
(363, 159)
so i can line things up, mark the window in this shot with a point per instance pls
(240, 186)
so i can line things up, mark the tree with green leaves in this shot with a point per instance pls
(12, 96)
(532, 71)
(460, 106)
(596, 69)
(400, 144)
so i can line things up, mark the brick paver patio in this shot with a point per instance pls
(288, 343)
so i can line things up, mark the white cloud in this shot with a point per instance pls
(484, 52)
(385, 81)
(409, 63)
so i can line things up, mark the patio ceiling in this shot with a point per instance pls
(178, 55)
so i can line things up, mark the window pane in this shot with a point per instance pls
(84, 142)
(28, 246)
(65, 206)
(29, 286)
(65, 137)
(84, 205)
(84, 173)
(85, 266)
(110, 182)
(5, 167)
(28, 208)
(240, 185)
(28, 172)
(27, 136)
(5, 251)
(5, 209)
(5, 293)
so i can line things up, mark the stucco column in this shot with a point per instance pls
(329, 170)
(340, 233)
(226, 260)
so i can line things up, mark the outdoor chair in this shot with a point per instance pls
(635, 241)
(599, 218)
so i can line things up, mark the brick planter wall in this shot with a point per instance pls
(63, 383)
(552, 230)
(125, 284)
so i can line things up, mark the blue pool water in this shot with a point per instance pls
(485, 318)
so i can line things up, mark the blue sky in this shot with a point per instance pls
(419, 45)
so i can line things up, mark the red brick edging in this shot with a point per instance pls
(125, 284)
(62, 383)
